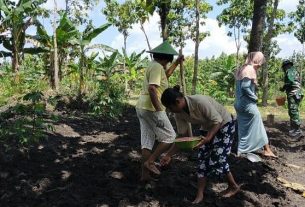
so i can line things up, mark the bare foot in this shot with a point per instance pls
(198, 199)
(152, 167)
(230, 191)
(268, 154)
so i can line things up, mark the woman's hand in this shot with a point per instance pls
(202, 142)
(209, 137)
(165, 160)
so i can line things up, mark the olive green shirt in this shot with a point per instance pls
(203, 110)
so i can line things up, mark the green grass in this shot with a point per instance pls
(280, 113)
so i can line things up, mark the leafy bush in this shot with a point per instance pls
(25, 122)
(215, 77)
(30, 77)
(107, 100)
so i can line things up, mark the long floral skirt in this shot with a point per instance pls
(213, 157)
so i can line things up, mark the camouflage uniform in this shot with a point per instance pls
(294, 93)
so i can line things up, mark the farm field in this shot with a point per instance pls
(95, 162)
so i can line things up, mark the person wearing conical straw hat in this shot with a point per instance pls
(154, 123)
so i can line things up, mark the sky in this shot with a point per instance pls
(218, 42)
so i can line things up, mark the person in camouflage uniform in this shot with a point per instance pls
(292, 86)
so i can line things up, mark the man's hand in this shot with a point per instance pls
(160, 123)
(180, 59)
(173, 66)
(159, 119)
(165, 160)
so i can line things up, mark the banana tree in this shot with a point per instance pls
(134, 62)
(83, 43)
(66, 33)
(123, 17)
(107, 65)
(15, 18)
(223, 73)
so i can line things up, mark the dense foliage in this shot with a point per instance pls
(98, 79)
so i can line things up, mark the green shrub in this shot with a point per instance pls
(25, 121)
(108, 98)
(30, 77)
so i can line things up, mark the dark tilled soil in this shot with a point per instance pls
(90, 162)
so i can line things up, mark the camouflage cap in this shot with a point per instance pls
(164, 48)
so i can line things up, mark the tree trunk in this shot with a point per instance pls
(67, 6)
(237, 44)
(124, 65)
(55, 85)
(197, 42)
(51, 69)
(258, 24)
(182, 76)
(15, 51)
(15, 59)
(81, 73)
(148, 44)
(163, 12)
(142, 28)
(183, 86)
(267, 52)
(61, 65)
(302, 65)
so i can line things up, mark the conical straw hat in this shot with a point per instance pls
(164, 48)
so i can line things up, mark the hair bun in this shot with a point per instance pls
(176, 88)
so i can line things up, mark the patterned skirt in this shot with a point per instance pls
(213, 157)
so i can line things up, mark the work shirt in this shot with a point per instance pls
(203, 110)
(292, 83)
(154, 74)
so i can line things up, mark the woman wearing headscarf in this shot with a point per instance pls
(154, 122)
(251, 131)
